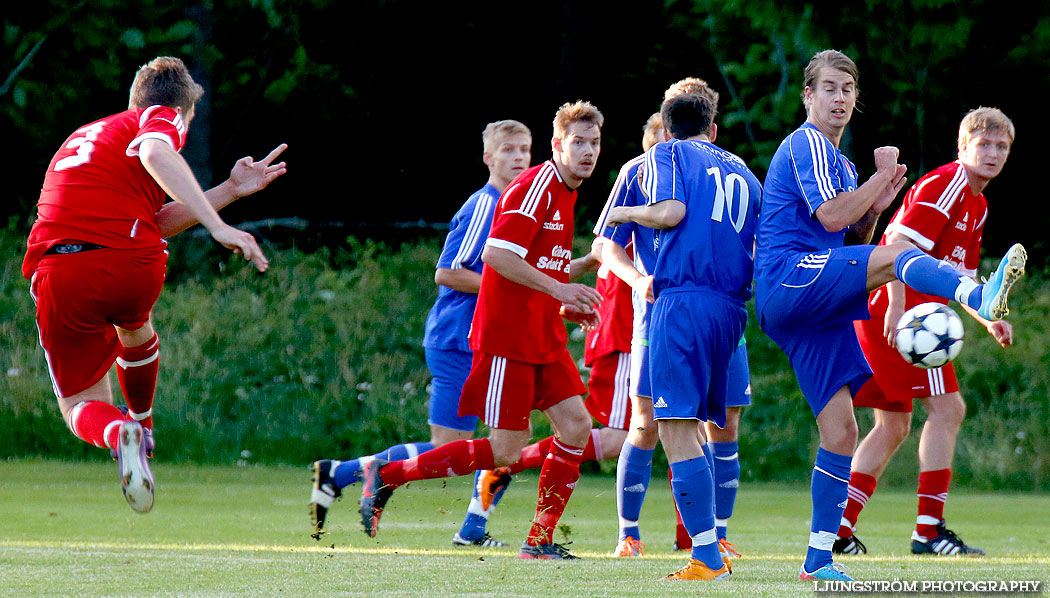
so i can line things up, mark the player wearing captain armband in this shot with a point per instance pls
(943, 214)
(96, 257)
(810, 284)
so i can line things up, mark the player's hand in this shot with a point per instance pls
(587, 321)
(579, 297)
(618, 215)
(1002, 331)
(644, 287)
(249, 176)
(242, 243)
(886, 158)
(889, 323)
(892, 190)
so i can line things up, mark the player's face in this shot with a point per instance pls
(578, 151)
(510, 158)
(985, 153)
(831, 100)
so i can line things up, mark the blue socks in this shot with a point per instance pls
(477, 518)
(694, 493)
(727, 481)
(634, 468)
(829, 490)
(929, 275)
(349, 472)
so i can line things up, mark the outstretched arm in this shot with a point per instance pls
(173, 174)
(662, 214)
(511, 266)
(247, 177)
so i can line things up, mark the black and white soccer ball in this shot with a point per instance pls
(929, 335)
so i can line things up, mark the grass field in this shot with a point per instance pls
(65, 530)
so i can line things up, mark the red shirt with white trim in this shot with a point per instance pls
(534, 219)
(945, 219)
(617, 313)
(96, 190)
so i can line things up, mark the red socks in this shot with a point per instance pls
(534, 455)
(933, 491)
(558, 477)
(456, 458)
(95, 422)
(137, 372)
(861, 487)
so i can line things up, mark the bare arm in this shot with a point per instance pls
(247, 177)
(862, 207)
(663, 214)
(172, 173)
(584, 264)
(463, 280)
(512, 267)
(614, 256)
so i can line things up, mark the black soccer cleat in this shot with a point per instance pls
(548, 551)
(374, 494)
(322, 495)
(946, 543)
(849, 545)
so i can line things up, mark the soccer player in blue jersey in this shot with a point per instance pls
(634, 467)
(811, 284)
(507, 153)
(703, 201)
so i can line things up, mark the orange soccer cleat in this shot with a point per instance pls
(489, 483)
(629, 547)
(698, 571)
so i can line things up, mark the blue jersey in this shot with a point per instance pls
(626, 192)
(806, 170)
(448, 322)
(712, 248)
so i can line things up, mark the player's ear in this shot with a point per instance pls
(714, 133)
(556, 144)
(486, 158)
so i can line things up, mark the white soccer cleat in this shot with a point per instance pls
(136, 480)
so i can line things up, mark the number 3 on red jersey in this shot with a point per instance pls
(84, 144)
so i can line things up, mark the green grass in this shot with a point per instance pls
(243, 531)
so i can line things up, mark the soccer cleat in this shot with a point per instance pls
(485, 541)
(849, 545)
(148, 440)
(136, 480)
(831, 572)
(698, 571)
(728, 548)
(322, 495)
(629, 547)
(374, 494)
(489, 483)
(548, 551)
(946, 543)
(993, 296)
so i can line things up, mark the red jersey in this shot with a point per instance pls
(617, 313)
(942, 216)
(96, 190)
(534, 219)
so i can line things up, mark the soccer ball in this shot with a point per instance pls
(929, 335)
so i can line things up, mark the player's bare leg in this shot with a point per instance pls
(440, 435)
(879, 445)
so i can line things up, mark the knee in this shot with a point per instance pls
(949, 411)
(840, 439)
(898, 429)
(505, 451)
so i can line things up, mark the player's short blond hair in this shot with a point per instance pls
(983, 119)
(164, 81)
(832, 59)
(694, 85)
(652, 132)
(496, 132)
(578, 111)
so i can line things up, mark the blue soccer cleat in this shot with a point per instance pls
(831, 571)
(136, 480)
(993, 296)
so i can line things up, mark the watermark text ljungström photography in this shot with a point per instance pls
(900, 586)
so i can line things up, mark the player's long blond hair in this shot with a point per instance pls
(833, 59)
(165, 81)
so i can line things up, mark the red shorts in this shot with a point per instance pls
(896, 382)
(80, 297)
(504, 392)
(608, 399)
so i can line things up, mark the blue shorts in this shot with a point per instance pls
(694, 336)
(639, 377)
(809, 313)
(739, 392)
(449, 369)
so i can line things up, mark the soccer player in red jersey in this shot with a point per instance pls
(96, 258)
(520, 361)
(943, 214)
